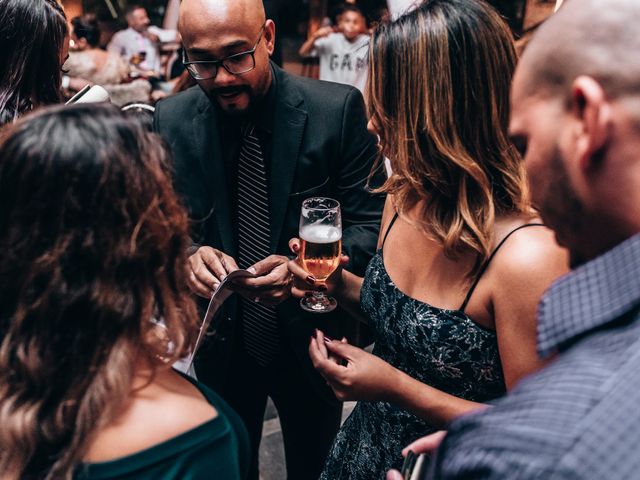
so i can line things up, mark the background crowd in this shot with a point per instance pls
(493, 267)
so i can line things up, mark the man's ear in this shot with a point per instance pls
(592, 111)
(270, 35)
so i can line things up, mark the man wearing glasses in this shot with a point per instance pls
(250, 144)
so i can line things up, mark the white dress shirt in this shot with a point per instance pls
(128, 42)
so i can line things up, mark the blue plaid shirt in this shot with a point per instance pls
(579, 418)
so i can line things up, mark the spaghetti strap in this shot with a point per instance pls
(393, 220)
(486, 264)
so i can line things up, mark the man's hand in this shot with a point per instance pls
(323, 32)
(428, 444)
(207, 268)
(153, 38)
(272, 284)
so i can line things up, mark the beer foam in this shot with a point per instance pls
(320, 233)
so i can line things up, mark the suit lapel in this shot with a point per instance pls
(289, 122)
(207, 139)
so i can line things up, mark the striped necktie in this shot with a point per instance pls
(260, 329)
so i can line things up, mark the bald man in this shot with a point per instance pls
(250, 143)
(576, 116)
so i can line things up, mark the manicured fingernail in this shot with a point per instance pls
(311, 279)
(251, 270)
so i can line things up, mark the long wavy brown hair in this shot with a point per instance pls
(438, 92)
(93, 243)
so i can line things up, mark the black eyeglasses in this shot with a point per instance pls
(236, 64)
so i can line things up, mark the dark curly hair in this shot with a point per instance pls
(93, 243)
(87, 27)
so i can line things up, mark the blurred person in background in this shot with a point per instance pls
(89, 62)
(34, 43)
(94, 241)
(343, 49)
(139, 43)
(463, 259)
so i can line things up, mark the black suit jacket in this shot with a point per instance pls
(320, 147)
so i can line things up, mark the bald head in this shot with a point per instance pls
(575, 111)
(220, 16)
(227, 45)
(586, 37)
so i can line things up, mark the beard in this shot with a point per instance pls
(562, 210)
(232, 108)
(253, 94)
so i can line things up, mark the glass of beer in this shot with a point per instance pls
(320, 249)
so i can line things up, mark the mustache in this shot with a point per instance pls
(231, 90)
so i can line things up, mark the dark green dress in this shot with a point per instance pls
(217, 449)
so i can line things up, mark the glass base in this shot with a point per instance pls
(319, 303)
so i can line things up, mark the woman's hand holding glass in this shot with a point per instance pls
(304, 284)
(320, 248)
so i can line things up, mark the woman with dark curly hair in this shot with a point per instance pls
(93, 245)
(34, 42)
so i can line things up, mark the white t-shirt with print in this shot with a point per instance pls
(343, 61)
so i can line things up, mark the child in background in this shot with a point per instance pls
(342, 52)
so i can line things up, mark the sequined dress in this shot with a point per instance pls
(445, 349)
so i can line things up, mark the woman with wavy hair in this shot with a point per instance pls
(451, 294)
(34, 43)
(93, 245)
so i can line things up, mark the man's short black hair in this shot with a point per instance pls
(350, 7)
(342, 8)
(132, 8)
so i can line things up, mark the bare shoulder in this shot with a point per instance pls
(165, 408)
(530, 253)
(174, 393)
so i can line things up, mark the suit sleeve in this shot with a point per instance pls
(160, 121)
(361, 209)
(493, 451)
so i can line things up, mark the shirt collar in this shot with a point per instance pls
(590, 297)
